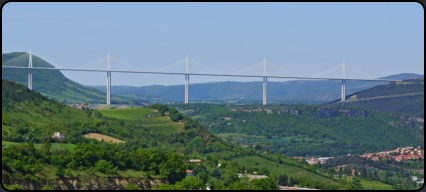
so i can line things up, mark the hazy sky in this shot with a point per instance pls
(305, 38)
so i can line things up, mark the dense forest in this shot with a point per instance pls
(311, 130)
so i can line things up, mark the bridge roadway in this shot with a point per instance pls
(205, 74)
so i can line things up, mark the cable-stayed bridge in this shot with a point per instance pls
(262, 69)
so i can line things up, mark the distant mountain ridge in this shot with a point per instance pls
(300, 90)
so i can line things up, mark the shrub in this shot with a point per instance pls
(132, 187)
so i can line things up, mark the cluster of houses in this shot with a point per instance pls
(80, 106)
(399, 154)
(314, 160)
(198, 162)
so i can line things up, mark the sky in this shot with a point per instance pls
(374, 39)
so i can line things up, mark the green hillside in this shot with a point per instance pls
(52, 83)
(149, 133)
(301, 130)
(403, 97)
(306, 91)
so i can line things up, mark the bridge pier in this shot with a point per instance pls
(265, 89)
(343, 90)
(30, 72)
(343, 82)
(109, 81)
(187, 81)
(109, 88)
(186, 88)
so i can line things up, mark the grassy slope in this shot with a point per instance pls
(280, 169)
(377, 185)
(35, 115)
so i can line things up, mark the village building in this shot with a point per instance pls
(80, 106)
(58, 135)
(251, 177)
(198, 161)
(189, 172)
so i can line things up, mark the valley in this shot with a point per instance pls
(137, 142)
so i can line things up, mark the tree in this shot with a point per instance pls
(174, 168)
(291, 182)
(257, 147)
(68, 172)
(60, 171)
(216, 173)
(264, 171)
(229, 139)
(364, 172)
(268, 150)
(229, 177)
(203, 176)
(263, 184)
(283, 180)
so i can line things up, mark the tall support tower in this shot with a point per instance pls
(30, 72)
(343, 82)
(187, 81)
(109, 81)
(265, 83)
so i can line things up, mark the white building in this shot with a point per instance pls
(58, 135)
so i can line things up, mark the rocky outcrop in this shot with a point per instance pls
(327, 113)
(290, 111)
(415, 119)
(106, 183)
(357, 113)
(393, 124)
(254, 110)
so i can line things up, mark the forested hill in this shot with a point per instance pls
(152, 138)
(50, 83)
(305, 91)
(300, 130)
(404, 97)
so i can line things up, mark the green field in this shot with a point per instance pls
(156, 122)
(377, 185)
(7, 143)
(126, 114)
(255, 161)
(49, 171)
(55, 146)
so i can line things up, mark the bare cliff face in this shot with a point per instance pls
(327, 113)
(109, 183)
